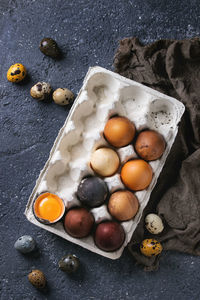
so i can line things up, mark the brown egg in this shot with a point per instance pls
(119, 131)
(136, 174)
(109, 236)
(104, 161)
(150, 145)
(123, 205)
(78, 222)
(37, 278)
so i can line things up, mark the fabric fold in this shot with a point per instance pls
(172, 67)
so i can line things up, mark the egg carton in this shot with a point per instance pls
(103, 95)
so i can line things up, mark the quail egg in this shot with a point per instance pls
(25, 244)
(16, 73)
(37, 279)
(69, 263)
(49, 47)
(63, 96)
(150, 247)
(154, 224)
(41, 91)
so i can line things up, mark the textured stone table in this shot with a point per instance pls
(88, 33)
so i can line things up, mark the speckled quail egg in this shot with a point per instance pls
(16, 73)
(37, 279)
(150, 247)
(49, 47)
(63, 96)
(41, 91)
(154, 224)
(69, 263)
(25, 244)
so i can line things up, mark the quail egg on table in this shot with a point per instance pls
(25, 244)
(49, 47)
(37, 279)
(41, 91)
(63, 96)
(16, 73)
(150, 247)
(69, 263)
(154, 224)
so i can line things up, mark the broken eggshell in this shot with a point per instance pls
(48, 208)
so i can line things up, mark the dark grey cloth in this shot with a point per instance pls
(172, 67)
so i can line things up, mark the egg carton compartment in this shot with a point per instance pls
(103, 95)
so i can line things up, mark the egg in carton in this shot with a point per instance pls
(103, 95)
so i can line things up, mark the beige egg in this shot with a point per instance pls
(154, 224)
(123, 205)
(104, 161)
(63, 96)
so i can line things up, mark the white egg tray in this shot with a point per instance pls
(102, 95)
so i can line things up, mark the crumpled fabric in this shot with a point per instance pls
(173, 68)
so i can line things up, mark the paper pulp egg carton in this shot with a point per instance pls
(103, 95)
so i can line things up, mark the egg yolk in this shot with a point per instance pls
(49, 207)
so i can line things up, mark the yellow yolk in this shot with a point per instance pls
(49, 207)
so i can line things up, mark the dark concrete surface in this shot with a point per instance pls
(88, 33)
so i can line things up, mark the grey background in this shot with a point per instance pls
(88, 33)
